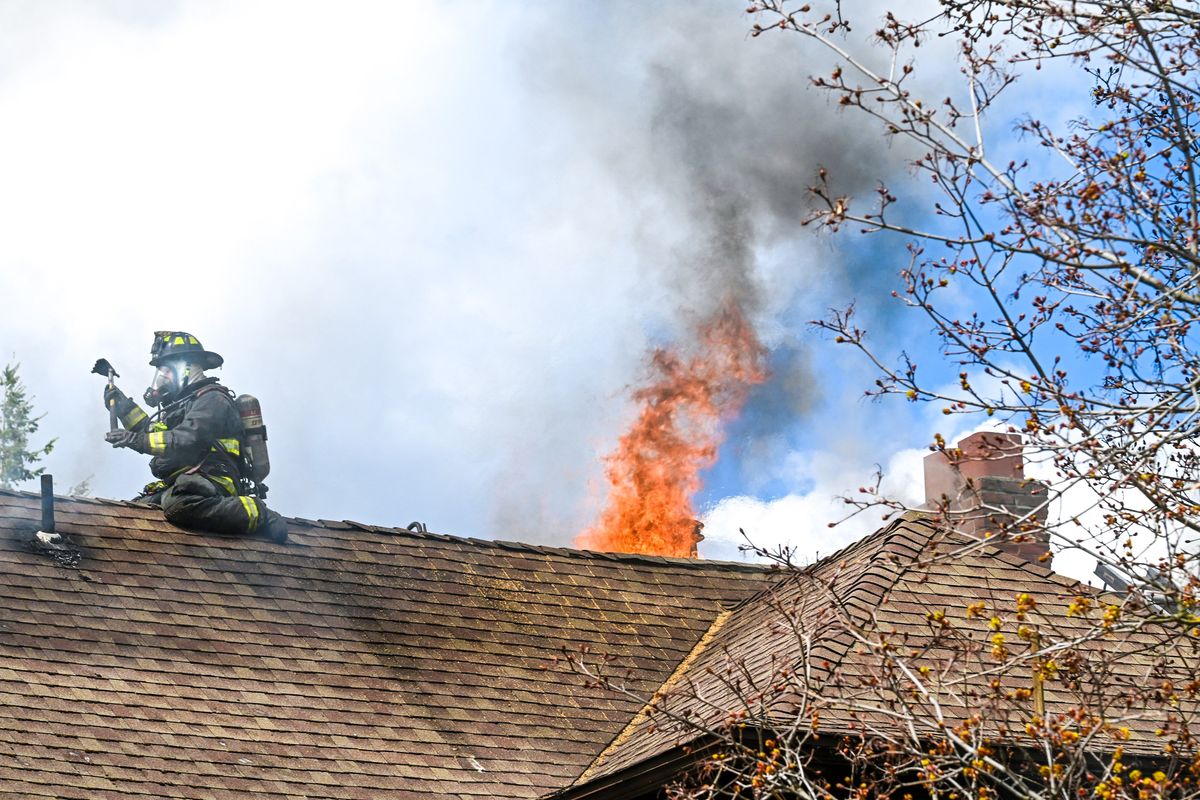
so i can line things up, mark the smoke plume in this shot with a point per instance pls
(714, 139)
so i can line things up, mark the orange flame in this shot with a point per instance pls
(655, 470)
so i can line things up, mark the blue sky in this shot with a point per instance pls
(437, 240)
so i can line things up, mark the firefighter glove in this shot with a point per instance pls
(122, 438)
(113, 397)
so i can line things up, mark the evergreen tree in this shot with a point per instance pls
(17, 426)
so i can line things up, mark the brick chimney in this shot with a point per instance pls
(982, 489)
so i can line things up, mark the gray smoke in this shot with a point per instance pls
(718, 136)
(714, 139)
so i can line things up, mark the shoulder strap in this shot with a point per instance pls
(213, 388)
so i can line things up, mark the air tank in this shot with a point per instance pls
(254, 437)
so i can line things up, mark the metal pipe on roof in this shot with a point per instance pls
(47, 504)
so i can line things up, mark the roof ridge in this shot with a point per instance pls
(864, 541)
(570, 552)
(837, 556)
(986, 546)
(838, 644)
(889, 566)
(870, 594)
(865, 595)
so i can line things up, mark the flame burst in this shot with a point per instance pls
(655, 470)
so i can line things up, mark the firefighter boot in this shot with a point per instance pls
(276, 528)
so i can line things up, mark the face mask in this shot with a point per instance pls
(163, 386)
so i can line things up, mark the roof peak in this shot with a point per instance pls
(328, 524)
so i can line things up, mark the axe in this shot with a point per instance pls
(102, 367)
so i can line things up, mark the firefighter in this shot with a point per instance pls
(194, 441)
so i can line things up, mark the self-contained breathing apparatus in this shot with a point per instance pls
(256, 461)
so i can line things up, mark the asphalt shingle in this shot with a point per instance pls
(354, 662)
(819, 627)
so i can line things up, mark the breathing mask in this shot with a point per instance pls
(170, 379)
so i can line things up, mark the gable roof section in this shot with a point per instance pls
(888, 584)
(761, 635)
(354, 662)
(1117, 674)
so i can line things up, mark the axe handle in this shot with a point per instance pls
(112, 409)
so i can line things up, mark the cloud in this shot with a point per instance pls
(801, 520)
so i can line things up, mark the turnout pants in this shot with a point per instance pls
(196, 502)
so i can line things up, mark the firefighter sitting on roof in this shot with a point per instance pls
(195, 440)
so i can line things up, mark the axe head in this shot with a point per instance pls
(102, 367)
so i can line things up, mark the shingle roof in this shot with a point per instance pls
(757, 635)
(888, 584)
(355, 662)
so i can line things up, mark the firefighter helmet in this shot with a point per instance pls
(172, 344)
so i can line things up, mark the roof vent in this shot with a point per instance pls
(48, 541)
(697, 538)
(47, 534)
